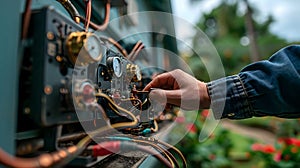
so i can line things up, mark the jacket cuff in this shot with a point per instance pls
(229, 98)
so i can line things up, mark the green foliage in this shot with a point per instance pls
(284, 154)
(226, 28)
(211, 154)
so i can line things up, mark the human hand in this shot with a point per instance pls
(179, 88)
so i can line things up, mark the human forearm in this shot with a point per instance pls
(265, 88)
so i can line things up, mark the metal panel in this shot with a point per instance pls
(10, 21)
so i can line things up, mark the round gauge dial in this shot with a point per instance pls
(117, 66)
(94, 47)
(84, 48)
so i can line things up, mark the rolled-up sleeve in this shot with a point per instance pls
(264, 88)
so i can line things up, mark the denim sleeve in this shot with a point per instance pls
(264, 88)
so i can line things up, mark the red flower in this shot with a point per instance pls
(263, 148)
(205, 113)
(290, 141)
(257, 147)
(294, 149)
(277, 157)
(297, 142)
(269, 149)
(191, 128)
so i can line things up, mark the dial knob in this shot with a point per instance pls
(133, 72)
(84, 48)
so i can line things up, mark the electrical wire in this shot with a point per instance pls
(153, 140)
(115, 146)
(167, 146)
(82, 144)
(26, 19)
(116, 44)
(159, 157)
(144, 141)
(104, 115)
(166, 153)
(114, 106)
(155, 129)
(63, 156)
(135, 99)
(175, 150)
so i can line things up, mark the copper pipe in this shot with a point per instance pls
(88, 12)
(105, 22)
(116, 44)
(134, 49)
(26, 19)
(67, 4)
(44, 160)
(137, 52)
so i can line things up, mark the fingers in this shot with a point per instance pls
(166, 96)
(164, 80)
(174, 97)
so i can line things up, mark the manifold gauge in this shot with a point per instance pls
(93, 47)
(115, 66)
(84, 47)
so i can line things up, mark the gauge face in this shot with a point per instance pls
(94, 47)
(117, 66)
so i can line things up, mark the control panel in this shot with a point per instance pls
(65, 69)
(75, 90)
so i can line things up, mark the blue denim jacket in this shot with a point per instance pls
(264, 88)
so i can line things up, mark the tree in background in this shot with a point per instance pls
(232, 31)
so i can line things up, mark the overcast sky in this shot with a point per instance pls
(285, 12)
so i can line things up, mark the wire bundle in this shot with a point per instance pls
(108, 145)
(160, 148)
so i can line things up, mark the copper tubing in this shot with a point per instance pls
(67, 4)
(26, 19)
(116, 44)
(44, 160)
(105, 22)
(88, 13)
(134, 49)
(137, 52)
(12, 161)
